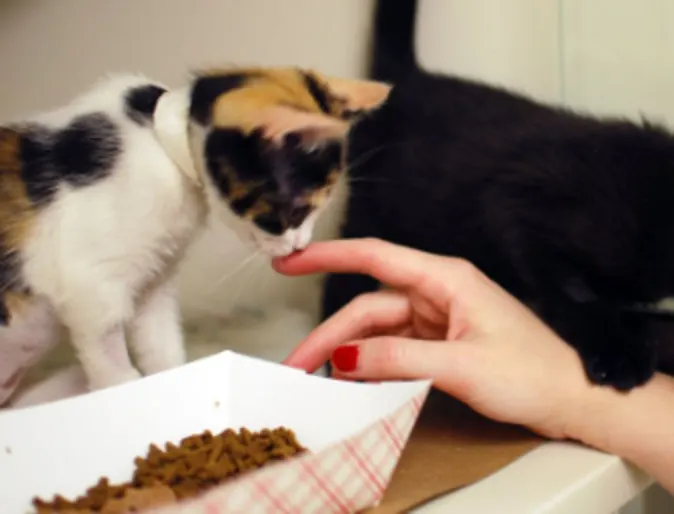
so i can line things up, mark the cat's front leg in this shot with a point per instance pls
(95, 318)
(340, 289)
(617, 348)
(103, 355)
(156, 332)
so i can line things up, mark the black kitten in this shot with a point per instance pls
(574, 215)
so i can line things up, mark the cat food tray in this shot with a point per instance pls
(354, 432)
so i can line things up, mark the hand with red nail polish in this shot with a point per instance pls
(441, 318)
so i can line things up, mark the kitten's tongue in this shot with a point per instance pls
(171, 121)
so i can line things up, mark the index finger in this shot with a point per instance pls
(397, 266)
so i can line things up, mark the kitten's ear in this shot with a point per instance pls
(359, 95)
(278, 121)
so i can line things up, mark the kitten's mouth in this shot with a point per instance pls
(281, 246)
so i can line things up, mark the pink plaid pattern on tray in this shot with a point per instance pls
(347, 477)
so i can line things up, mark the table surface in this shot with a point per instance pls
(555, 478)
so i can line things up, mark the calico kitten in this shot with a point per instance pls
(99, 200)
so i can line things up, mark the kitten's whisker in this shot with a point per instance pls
(368, 180)
(367, 155)
(236, 270)
(265, 282)
(372, 152)
(242, 288)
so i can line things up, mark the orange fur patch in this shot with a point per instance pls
(261, 206)
(267, 95)
(16, 303)
(17, 213)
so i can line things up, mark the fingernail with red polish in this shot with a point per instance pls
(345, 358)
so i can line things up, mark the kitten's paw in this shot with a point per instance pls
(619, 367)
(102, 381)
(151, 364)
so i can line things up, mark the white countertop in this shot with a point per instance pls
(555, 478)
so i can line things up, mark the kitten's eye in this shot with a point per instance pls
(292, 140)
(351, 114)
(269, 223)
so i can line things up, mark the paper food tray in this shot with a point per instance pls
(355, 434)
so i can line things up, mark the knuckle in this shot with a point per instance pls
(376, 246)
(363, 301)
(466, 269)
(373, 241)
(391, 354)
(362, 308)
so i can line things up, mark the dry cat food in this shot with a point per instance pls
(166, 476)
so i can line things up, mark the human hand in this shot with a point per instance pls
(442, 319)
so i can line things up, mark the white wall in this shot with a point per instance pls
(618, 56)
(514, 43)
(51, 49)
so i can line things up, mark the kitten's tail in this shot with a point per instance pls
(393, 54)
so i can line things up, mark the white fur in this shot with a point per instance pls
(104, 255)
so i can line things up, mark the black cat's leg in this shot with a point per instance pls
(617, 348)
(340, 289)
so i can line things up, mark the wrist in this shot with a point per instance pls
(637, 425)
(592, 414)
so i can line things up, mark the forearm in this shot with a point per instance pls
(638, 426)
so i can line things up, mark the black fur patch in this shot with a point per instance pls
(270, 223)
(140, 102)
(247, 156)
(207, 89)
(241, 205)
(9, 279)
(319, 93)
(80, 154)
(87, 149)
(297, 215)
(37, 171)
(220, 145)
(4, 314)
(284, 174)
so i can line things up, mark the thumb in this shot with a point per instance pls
(401, 358)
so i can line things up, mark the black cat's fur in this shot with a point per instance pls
(572, 214)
